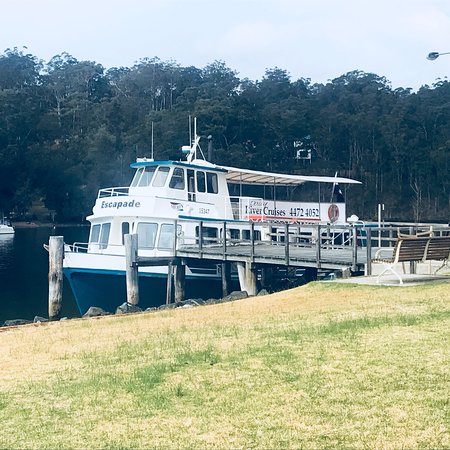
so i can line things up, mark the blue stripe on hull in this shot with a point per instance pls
(107, 289)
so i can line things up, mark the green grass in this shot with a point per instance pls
(322, 366)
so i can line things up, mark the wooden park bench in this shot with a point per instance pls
(419, 248)
(438, 249)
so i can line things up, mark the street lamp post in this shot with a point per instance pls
(435, 55)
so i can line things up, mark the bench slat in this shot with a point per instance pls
(438, 248)
(412, 249)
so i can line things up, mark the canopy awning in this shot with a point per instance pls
(247, 176)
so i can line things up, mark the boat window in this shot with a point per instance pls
(191, 185)
(166, 236)
(104, 235)
(161, 177)
(95, 233)
(125, 230)
(211, 183)
(256, 235)
(147, 176)
(143, 176)
(177, 180)
(137, 177)
(209, 234)
(146, 234)
(201, 181)
(234, 233)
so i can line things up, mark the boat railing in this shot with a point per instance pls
(113, 192)
(78, 247)
(95, 248)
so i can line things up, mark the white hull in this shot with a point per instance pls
(6, 229)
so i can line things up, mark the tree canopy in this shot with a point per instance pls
(69, 127)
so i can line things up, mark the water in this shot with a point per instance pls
(24, 272)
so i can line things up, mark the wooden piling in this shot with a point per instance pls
(55, 276)
(226, 278)
(369, 251)
(267, 275)
(250, 272)
(169, 283)
(132, 275)
(247, 277)
(179, 281)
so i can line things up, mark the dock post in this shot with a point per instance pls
(318, 247)
(179, 281)
(250, 275)
(169, 283)
(252, 241)
(354, 248)
(200, 239)
(267, 275)
(132, 276)
(226, 278)
(224, 240)
(286, 245)
(55, 276)
(369, 251)
(247, 277)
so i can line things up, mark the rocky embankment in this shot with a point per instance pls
(127, 308)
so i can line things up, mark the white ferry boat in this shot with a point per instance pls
(168, 195)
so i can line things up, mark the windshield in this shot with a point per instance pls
(143, 176)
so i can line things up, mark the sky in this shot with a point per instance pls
(316, 39)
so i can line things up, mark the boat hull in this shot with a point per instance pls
(5, 229)
(106, 289)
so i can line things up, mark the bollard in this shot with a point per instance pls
(55, 276)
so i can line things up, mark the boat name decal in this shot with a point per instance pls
(117, 205)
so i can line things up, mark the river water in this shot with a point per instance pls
(24, 272)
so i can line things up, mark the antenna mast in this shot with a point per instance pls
(195, 138)
(190, 129)
(152, 141)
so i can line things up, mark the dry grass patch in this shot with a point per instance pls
(319, 366)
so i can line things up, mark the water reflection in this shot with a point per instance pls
(6, 250)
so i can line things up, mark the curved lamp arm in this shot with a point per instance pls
(435, 55)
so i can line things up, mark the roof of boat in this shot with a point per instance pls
(248, 176)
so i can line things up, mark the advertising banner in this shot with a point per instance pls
(259, 210)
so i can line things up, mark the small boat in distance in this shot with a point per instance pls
(181, 203)
(6, 227)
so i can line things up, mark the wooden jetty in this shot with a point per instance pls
(348, 249)
(287, 248)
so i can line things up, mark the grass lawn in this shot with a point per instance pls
(321, 366)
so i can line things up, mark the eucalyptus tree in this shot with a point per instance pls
(283, 114)
(21, 109)
(73, 86)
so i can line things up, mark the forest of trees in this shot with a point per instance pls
(69, 127)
